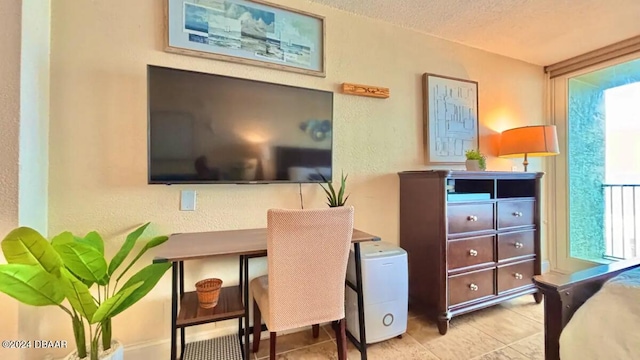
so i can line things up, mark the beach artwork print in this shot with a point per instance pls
(253, 31)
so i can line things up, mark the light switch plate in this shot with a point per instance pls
(188, 200)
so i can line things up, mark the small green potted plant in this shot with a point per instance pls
(335, 199)
(476, 161)
(43, 273)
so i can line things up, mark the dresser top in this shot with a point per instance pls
(461, 174)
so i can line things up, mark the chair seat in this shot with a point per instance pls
(260, 289)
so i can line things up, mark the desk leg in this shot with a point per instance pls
(360, 293)
(182, 329)
(246, 307)
(174, 309)
(241, 280)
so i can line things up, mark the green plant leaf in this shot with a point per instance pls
(30, 285)
(158, 240)
(150, 275)
(78, 295)
(106, 309)
(93, 239)
(334, 199)
(62, 238)
(26, 246)
(83, 260)
(126, 248)
(343, 185)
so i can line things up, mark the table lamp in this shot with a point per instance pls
(537, 140)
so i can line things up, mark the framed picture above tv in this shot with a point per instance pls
(252, 32)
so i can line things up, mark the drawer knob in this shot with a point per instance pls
(472, 218)
(473, 287)
(518, 245)
(517, 214)
(473, 252)
(518, 276)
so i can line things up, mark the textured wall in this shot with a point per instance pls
(98, 131)
(10, 16)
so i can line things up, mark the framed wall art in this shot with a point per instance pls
(450, 118)
(251, 32)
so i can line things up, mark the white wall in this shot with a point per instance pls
(10, 18)
(34, 137)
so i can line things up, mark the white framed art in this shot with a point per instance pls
(450, 118)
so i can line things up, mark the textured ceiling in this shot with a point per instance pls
(541, 32)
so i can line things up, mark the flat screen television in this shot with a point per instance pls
(206, 128)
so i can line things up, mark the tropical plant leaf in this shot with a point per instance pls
(158, 240)
(62, 238)
(126, 248)
(93, 239)
(30, 285)
(26, 246)
(150, 275)
(78, 295)
(106, 309)
(83, 260)
(86, 282)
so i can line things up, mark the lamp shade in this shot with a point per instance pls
(537, 140)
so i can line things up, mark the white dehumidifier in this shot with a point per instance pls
(385, 288)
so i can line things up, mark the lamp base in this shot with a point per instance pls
(525, 163)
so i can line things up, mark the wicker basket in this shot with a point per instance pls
(208, 292)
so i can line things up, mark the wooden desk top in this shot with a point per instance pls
(198, 245)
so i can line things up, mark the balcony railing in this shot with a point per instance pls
(622, 220)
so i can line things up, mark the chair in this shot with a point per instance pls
(307, 254)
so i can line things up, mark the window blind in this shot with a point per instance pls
(594, 57)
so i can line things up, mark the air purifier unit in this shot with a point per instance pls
(385, 289)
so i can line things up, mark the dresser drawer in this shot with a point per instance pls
(515, 276)
(471, 286)
(516, 244)
(516, 213)
(470, 217)
(469, 252)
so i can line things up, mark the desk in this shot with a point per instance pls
(234, 300)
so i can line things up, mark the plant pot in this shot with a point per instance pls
(115, 353)
(473, 165)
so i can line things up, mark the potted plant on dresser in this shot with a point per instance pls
(43, 273)
(476, 161)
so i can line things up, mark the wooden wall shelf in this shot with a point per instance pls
(365, 90)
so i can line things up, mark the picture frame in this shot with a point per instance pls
(252, 32)
(451, 124)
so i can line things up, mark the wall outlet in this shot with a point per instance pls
(514, 168)
(188, 200)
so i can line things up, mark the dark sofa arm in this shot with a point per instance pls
(564, 294)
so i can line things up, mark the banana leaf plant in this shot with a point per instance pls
(335, 199)
(45, 273)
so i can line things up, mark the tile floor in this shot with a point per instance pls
(512, 330)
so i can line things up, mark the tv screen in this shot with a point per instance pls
(206, 128)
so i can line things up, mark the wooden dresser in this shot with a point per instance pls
(472, 238)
